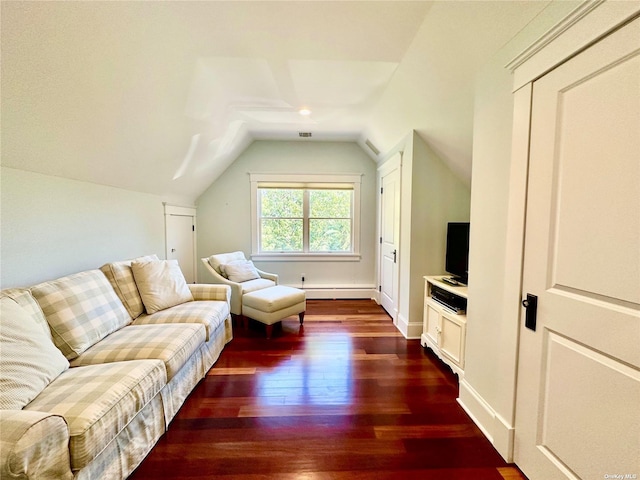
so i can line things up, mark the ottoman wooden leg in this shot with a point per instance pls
(269, 329)
(301, 315)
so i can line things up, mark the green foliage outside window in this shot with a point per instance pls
(330, 220)
(281, 235)
(282, 220)
(281, 202)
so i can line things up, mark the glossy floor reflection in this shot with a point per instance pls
(320, 375)
(344, 396)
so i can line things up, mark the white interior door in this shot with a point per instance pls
(180, 244)
(389, 235)
(578, 394)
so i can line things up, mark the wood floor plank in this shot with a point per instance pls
(344, 396)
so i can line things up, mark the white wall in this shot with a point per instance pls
(488, 389)
(51, 226)
(224, 210)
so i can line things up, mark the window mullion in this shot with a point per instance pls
(305, 220)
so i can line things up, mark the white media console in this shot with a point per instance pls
(444, 328)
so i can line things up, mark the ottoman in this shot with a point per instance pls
(270, 305)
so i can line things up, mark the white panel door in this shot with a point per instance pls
(390, 233)
(180, 244)
(578, 394)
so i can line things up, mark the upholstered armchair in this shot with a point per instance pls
(240, 274)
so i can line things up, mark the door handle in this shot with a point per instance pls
(394, 255)
(173, 250)
(531, 304)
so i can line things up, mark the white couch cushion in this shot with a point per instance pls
(99, 401)
(81, 310)
(173, 344)
(121, 278)
(161, 284)
(29, 360)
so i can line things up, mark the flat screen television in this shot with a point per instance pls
(457, 256)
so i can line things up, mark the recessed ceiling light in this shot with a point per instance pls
(304, 112)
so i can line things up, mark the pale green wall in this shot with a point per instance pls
(224, 210)
(51, 226)
(432, 195)
(439, 197)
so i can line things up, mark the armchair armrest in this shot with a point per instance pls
(236, 288)
(208, 291)
(268, 276)
(34, 445)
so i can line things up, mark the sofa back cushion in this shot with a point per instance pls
(219, 259)
(29, 360)
(81, 310)
(161, 283)
(121, 278)
(23, 297)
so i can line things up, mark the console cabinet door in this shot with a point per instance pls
(452, 338)
(432, 317)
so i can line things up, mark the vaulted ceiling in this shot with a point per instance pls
(161, 97)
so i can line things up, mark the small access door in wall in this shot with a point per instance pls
(180, 244)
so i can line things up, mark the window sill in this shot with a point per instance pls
(306, 257)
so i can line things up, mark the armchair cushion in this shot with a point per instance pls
(161, 284)
(223, 259)
(29, 361)
(240, 271)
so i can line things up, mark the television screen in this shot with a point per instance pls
(457, 256)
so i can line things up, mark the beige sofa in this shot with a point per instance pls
(90, 379)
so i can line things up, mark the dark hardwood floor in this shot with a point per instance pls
(345, 396)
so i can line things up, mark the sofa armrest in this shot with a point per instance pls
(269, 276)
(209, 291)
(34, 445)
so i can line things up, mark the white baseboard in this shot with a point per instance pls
(319, 293)
(410, 331)
(497, 430)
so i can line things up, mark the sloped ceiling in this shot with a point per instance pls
(161, 97)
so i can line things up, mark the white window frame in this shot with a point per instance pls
(305, 181)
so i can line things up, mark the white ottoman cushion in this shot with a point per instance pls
(270, 305)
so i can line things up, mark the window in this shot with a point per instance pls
(306, 216)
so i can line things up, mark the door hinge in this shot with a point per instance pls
(380, 240)
(380, 288)
(193, 228)
(381, 190)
